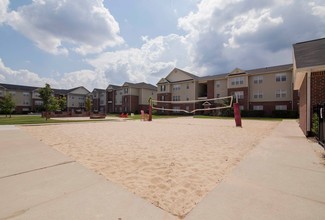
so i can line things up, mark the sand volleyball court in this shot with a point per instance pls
(173, 163)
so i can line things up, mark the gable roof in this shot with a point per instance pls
(175, 70)
(98, 90)
(141, 85)
(237, 71)
(113, 87)
(309, 53)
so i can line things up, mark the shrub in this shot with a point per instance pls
(284, 114)
(252, 113)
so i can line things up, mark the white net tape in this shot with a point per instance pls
(218, 103)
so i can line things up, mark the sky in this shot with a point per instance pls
(94, 43)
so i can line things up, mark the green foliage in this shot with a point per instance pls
(62, 102)
(50, 103)
(252, 113)
(88, 104)
(315, 124)
(284, 114)
(7, 105)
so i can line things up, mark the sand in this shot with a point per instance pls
(173, 163)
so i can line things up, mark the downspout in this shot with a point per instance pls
(130, 101)
(308, 101)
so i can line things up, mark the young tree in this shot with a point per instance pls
(62, 102)
(46, 95)
(88, 104)
(7, 105)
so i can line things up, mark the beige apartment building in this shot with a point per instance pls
(264, 89)
(27, 98)
(130, 97)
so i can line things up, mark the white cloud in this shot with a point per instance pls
(228, 34)
(317, 10)
(3, 10)
(58, 26)
(249, 22)
(149, 63)
(87, 78)
(22, 77)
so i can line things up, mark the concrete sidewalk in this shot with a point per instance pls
(37, 182)
(282, 178)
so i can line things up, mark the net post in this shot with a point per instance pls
(237, 115)
(150, 109)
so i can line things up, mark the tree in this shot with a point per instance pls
(62, 102)
(7, 105)
(88, 104)
(46, 95)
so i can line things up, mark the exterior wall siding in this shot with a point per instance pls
(303, 106)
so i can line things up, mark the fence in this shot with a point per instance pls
(319, 111)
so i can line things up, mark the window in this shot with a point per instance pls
(239, 94)
(126, 90)
(218, 95)
(162, 98)
(281, 93)
(38, 102)
(163, 88)
(176, 87)
(1, 93)
(26, 94)
(72, 97)
(237, 81)
(102, 102)
(187, 86)
(258, 107)
(241, 107)
(176, 98)
(187, 108)
(176, 109)
(258, 95)
(25, 102)
(12, 93)
(281, 107)
(187, 99)
(217, 84)
(258, 79)
(281, 77)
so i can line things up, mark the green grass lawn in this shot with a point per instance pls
(36, 119)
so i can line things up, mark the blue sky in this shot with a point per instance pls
(94, 43)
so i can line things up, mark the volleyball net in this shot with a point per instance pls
(192, 106)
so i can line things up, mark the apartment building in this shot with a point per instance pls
(130, 97)
(99, 98)
(27, 98)
(23, 96)
(309, 79)
(265, 89)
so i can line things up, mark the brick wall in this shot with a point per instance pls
(317, 88)
(210, 85)
(243, 102)
(269, 107)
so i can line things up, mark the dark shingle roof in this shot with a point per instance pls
(270, 69)
(114, 87)
(18, 87)
(141, 85)
(310, 53)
